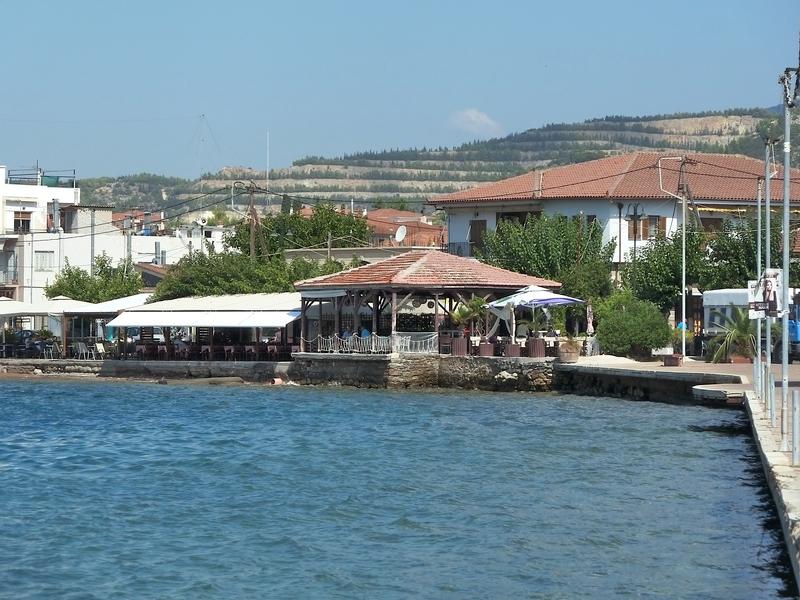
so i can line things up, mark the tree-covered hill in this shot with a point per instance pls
(409, 177)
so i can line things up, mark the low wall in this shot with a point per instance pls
(674, 387)
(150, 369)
(358, 370)
(782, 478)
(423, 371)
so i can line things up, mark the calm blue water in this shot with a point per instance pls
(146, 491)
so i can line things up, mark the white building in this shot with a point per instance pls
(632, 196)
(43, 225)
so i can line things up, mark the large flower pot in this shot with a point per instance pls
(673, 360)
(567, 353)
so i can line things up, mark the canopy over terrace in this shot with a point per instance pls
(447, 279)
(86, 314)
(237, 310)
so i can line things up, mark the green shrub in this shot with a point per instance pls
(630, 327)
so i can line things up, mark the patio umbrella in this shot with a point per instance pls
(533, 297)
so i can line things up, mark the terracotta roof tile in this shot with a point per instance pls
(712, 177)
(426, 269)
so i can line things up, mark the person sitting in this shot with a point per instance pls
(346, 333)
(364, 332)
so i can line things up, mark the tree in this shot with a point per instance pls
(629, 326)
(107, 283)
(547, 246)
(555, 247)
(284, 231)
(214, 274)
(714, 260)
(655, 275)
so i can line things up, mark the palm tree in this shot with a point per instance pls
(739, 336)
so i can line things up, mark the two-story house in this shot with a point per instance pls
(632, 196)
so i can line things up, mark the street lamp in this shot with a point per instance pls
(635, 213)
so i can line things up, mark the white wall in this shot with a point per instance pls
(77, 249)
(30, 198)
(607, 213)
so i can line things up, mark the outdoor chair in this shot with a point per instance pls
(55, 351)
(100, 350)
(84, 351)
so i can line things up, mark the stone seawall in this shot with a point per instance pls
(423, 371)
(357, 370)
(656, 385)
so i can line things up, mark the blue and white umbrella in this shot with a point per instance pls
(534, 296)
(531, 297)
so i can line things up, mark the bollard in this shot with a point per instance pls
(765, 387)
(795, 427)
(773, 414)
(756, 377)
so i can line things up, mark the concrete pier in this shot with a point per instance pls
(783, 479)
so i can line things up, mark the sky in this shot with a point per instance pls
(183, 88)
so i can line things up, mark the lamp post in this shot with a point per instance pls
(635, 213)
(789, 101)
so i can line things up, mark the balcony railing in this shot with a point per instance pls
(8, 276)
(460, 248)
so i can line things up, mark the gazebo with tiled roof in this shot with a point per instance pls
(446, 279)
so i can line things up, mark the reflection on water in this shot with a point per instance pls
(130, 491)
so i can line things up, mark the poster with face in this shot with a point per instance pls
(765, 295)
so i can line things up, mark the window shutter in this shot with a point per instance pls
(631, 230)
(644, 232)
(662, 225)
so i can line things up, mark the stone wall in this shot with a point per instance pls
(496, 374)
(636, 384)
(358, 370)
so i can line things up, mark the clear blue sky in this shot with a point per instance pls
(113, 88)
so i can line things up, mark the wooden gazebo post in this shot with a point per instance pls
(394, 312)
(303, 324)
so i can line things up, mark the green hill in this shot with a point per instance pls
(409, 177)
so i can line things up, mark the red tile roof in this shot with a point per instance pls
(426, 269)
(713, 177)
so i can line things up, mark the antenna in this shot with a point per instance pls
(400, 234)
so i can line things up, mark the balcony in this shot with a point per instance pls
(460, 248)
(8, 277)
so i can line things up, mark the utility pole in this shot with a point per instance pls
(768, 244)
(252, 211)
(91, 250)
(759, 369)
(330, 244)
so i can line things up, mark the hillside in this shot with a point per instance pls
(407, 178)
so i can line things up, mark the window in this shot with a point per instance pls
(518, 217)
(654, 226)
(22, 222)
(647, 228)
(43, 260)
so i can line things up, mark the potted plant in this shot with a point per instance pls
(737, 342)
(569, 350)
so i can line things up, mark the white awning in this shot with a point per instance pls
(253, 318)
(111, 307)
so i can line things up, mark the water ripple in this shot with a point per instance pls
(140, 491)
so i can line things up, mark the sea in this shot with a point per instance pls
(122, 490)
